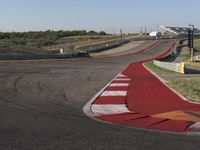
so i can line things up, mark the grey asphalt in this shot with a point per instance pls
(41, 108)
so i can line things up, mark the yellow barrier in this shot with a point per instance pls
(182, 68)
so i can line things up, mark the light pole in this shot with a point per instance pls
(192, 41)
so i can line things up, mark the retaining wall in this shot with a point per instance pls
(177, 67)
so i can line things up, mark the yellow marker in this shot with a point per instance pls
(182, 68)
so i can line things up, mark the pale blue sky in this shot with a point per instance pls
(24, 15)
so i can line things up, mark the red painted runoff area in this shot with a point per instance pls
(148, 95)
(138, 98)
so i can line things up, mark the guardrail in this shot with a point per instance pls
(103, 47)
(83, 52)
(41, 56)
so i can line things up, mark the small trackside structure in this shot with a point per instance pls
(197, 58)
(155, 34)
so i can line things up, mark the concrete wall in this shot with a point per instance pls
(177, 67)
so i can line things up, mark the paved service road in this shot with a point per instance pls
(41, 108)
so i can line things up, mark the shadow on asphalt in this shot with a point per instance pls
(191, 71)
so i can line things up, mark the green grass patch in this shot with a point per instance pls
(197, 44)
(157, 69)
(188, 87)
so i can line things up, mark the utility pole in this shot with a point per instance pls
(113, 31)
(121, 33)
(157, 26)
(141, 30)
(191, 41)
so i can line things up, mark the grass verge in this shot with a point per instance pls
(157, 69)
(197, 45)
(188, 87)
(193, 65)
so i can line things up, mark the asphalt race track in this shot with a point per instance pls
(137, 98)
(41, 108)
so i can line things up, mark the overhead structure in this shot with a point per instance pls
(180, 30)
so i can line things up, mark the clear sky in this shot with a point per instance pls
(25, 15)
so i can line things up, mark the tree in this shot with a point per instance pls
(92, 32)
(102, 33)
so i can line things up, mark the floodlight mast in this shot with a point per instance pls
(192, 41)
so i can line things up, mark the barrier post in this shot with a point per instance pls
(182, 68)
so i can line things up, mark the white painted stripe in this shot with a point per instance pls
(119, 84)
(100, 110)
(87, 108)
(122, 75)
(122, 79)
(194, 129)
(114, 93)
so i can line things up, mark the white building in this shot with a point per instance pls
(156, 34)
